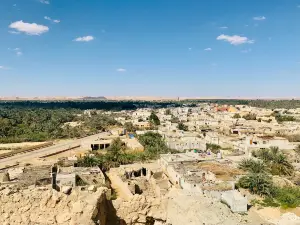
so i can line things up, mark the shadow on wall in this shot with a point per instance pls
(112, 218)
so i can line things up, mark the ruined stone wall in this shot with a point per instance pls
(45, 206)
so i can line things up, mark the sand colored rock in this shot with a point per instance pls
(43, 207)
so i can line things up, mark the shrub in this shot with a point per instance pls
(260, 183)
(269, 202)
(213, 147)
(288, 197)
(281, 118)
(250, 116)
(236, 116)
(183, 127)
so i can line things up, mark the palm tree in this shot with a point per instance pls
(253, 166)
(274, 151)
(259, 183)
(115, 150)
(276, 161)
(88, 161)
(263, 154)
(281, 166)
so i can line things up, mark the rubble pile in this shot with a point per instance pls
(45, 206)
(140, 209)
(208, 210)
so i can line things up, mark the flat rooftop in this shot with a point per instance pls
(186, 157)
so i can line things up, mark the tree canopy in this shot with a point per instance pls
(182, 126)
(154, 119)
(19, 125)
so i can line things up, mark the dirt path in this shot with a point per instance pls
(119, 188)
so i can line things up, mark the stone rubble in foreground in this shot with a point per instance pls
(43, 206)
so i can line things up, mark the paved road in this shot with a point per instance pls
(46, 151)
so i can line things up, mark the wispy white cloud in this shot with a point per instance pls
(44, 2)
(13, 32)
(121, 70)
(18, 51)
(190, 49)
(235, 39)
(4, 68)
(246, 50)
(29, 28)
(84, 39)
(259, 18)
(208, 49)
(48, 18)
(224, 27)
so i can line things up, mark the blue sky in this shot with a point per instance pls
(232, 48)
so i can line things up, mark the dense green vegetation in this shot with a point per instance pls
(168, 112)
(19, 125)
(275, 104)
(154, 120)
(116, 154)
(88, 104)
(213, 148)
(283, 118)
(104, 104)
(34, 124)
(253, 166)
(236, 116)
(153, 144)
(130, 127)
(275, 160)
(259, 180)
(182, 126)
(257, 183)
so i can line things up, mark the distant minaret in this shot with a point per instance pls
(178, 99)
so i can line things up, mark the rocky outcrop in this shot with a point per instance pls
(139, 209)
(45, 206)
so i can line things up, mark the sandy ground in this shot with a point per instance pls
(70, 153)
(269, 213)
(280, 216)
(20, 145)
(5, 151)
(198, 210)
(295, 211)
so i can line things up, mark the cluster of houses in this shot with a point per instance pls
(224, 126)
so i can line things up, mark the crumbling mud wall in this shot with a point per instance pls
(43, 206)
